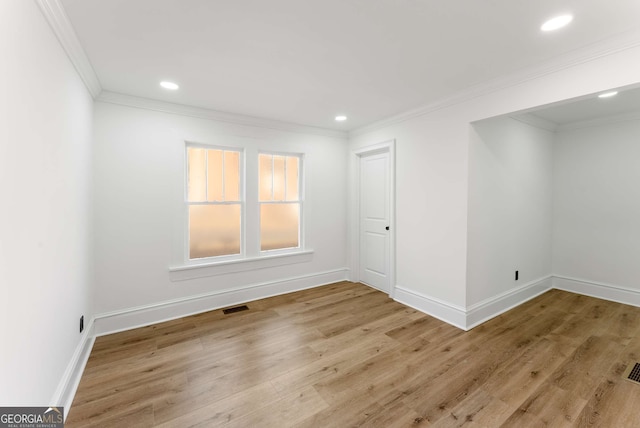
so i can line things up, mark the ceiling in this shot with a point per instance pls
(591, 108)
(306, 61)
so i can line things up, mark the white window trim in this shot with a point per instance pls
(300, 201)
(248, 259)
(188, 261)
(202, 270)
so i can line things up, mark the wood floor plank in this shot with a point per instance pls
(583, 370)
(480, 409)
(230, 408)
(333, 364)
(348, 410)
(613, 392)
(548, 405)
(346, 355)
(117, 404)
(289, 411)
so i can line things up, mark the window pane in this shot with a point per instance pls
(231, 176)
(266, 177)
(278, 178)
(196, 175)
(214, 230)
(292, 178)
(214, 175)
(279, 226)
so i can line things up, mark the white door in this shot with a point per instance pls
(374, 220)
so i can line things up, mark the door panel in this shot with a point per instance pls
(374, 219)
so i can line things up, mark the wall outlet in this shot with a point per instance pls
(81, 323)
(516, 275)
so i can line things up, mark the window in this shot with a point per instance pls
(279, 200)
(214, 200)
(235, 215)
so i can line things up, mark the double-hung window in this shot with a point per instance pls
(279, 200)
(215, 202)
(217, 228)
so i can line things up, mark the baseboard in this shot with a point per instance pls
(451, 314)
(480, 312)
(474, 315)
(141, 316)
(614, 293)
(68, 385)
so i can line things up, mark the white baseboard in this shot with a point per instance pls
(66, 390)
(615, 293)
(447, 312)
(483, 311)
(141, 316)
(474, 315)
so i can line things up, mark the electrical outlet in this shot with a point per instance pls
(81, 323)
(516, 275)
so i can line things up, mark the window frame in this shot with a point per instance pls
(300, 201)
(242, 202)
(250, 258)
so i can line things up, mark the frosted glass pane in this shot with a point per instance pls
(292, 178)
(279, 225)
(231, 176)
(196, 175)
(214, 172)
(214, 230)
(278, 178)
(266, 177)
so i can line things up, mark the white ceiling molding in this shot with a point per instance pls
(606, 47)
(202, 113)
(61, 26)
(601, 121)
(537, 122)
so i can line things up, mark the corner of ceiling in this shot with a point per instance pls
(54, 12)
(609, 46)
(218, 116)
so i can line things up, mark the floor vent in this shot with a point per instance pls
(633, 373)
(235, 309)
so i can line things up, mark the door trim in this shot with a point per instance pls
(388, 146)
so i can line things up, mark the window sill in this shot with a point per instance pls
(202, 270)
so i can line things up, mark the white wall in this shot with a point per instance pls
(510, 211)
(431, 188)
(139, 223)
(432, 152)
(597, 204)
(45, 250)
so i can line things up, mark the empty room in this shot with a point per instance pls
(320, 213)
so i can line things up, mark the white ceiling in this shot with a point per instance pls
(591, 108)
(305, 61)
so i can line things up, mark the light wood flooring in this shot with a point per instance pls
(345, 355)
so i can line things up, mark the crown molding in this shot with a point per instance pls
(610, 46)
(600, 121)
(61, 26)
(535, 121)
(202, 113)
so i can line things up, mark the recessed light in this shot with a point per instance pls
(556, 23)
(341, 118)
(608, 94)
(169, 85)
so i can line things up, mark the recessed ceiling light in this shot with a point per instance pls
(169, 85)
(556, 23)
(608, 94)
(341, 118)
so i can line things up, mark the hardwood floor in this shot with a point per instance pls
(345, 355)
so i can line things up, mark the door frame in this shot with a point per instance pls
(389, 147)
